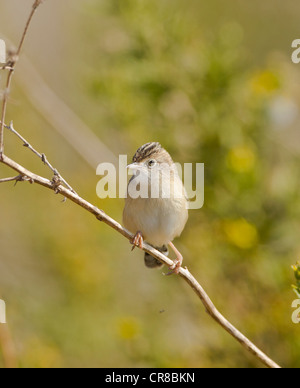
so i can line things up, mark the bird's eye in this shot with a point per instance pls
(151, 163)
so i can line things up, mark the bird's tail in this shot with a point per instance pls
(151, 262)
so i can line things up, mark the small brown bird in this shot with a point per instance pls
(157, 219)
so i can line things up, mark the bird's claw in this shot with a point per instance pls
(175, 267)
(137, 241)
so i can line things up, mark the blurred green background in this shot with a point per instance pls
(214, 83)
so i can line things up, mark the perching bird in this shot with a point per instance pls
(157, 218)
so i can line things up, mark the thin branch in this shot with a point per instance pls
(11, 65)
(4, 108)
(33, 10)
(184, 272)
(6, 67)
(43, 157)
(18, 178)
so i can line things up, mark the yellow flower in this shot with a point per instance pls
(128, 328)
(41, 355)
(241, 159)
(241, 233)
(265, 82)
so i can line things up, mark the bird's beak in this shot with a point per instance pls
(134, 167)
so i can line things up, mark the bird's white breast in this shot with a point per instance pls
(160, 220)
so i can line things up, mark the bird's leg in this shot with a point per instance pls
(178, 262)
(137, 241)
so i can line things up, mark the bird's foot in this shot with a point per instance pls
(137, 241)
(175, 267)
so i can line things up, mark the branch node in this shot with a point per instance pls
(44, 159)
(56, 182)
(19, 178)
(37, 3)
(100, 217)
(13, 59)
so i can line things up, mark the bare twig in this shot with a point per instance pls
(4, 180)
(184, 272)
(11, 65)
(34, 8)
(43, 157)
(18, 178)
(4, 107)
(6, 67)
